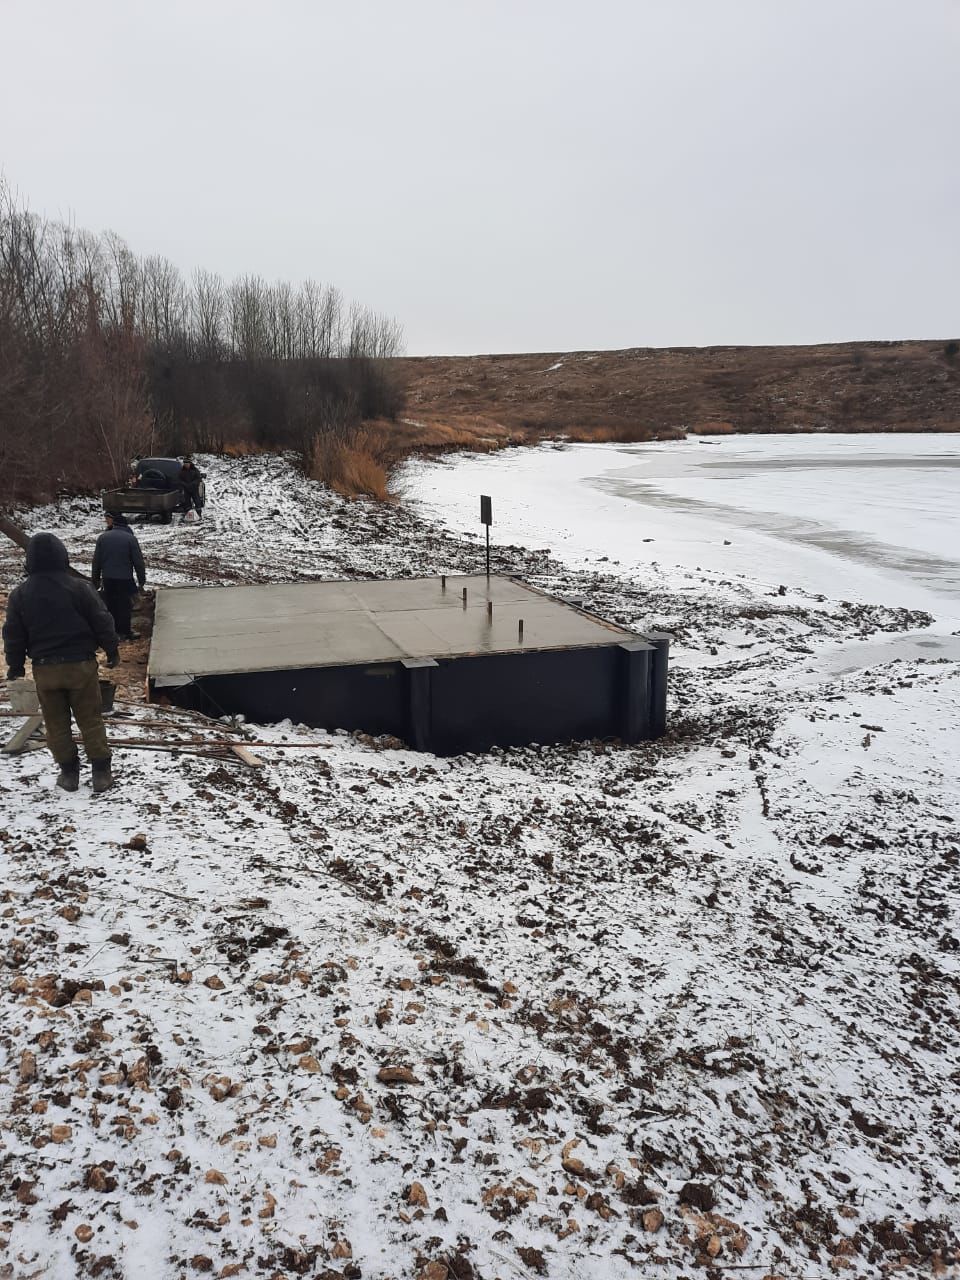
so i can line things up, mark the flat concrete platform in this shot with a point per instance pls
(412, 658)
(222, 630)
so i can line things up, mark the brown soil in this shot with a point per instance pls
(646, 392)
(131, 675)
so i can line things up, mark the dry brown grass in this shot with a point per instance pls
(366, 463)
(712, 429)
(626, 433)
(242, 449)
(350, 467)
(362, 472)
(436, 434)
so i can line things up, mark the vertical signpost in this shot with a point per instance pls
(486, 518)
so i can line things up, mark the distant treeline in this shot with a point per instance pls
(105, 355)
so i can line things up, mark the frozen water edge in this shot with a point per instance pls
(870, 518)
(723, 961)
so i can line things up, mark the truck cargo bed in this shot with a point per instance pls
(149, 501)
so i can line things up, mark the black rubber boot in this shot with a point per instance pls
(69, 777)
(102, 776)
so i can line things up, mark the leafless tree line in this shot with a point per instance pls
(85, 325)
(73, 400)
(53, 272)
(251, 319)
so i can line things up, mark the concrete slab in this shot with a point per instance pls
(205, 631)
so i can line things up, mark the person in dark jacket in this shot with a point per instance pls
(60, 622)
(190, 480)
(117, 560)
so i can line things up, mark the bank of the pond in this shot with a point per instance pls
(873, 518)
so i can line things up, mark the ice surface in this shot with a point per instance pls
(873, 518)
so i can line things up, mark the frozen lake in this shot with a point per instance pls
(874, 518)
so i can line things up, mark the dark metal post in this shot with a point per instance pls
(520, 632)
(490, 611)
(658, 682)
(443, 582)
(420, 701)
(633, 694)
(486, 517)
(464, 597)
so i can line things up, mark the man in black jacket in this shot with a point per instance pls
(190, 480)
(60, 622)
(116, 559)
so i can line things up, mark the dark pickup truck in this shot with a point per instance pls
(158, 491)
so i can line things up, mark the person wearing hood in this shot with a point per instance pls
(116, 559)
(59, 621)
(190, 480)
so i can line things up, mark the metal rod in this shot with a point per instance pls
(464, 597)
(489, 610)
(443, 582)
(520, 630)
(488, 551)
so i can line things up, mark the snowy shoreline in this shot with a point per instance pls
(856, 517)
(687, 1005)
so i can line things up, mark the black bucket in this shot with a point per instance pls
(107, 690)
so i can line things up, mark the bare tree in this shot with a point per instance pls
(87, 328)
(307, 310)
(248, 318)
(284, 321)
(163, 302)
(331, 323)
(122, 295)
(208, 312)
(72, 395)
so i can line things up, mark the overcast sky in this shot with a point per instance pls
(516, 175)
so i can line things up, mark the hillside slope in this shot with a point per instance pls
(864, 386)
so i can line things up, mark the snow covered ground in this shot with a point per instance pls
(686, 1008)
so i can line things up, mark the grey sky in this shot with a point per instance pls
(516, 175)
